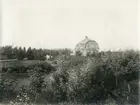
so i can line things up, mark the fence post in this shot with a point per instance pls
(116, 80)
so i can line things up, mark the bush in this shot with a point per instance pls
(7, 85)
(37, 84)
(78, 53)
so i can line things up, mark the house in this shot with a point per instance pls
(86, 46)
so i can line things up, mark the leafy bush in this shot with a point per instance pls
(78, 53)
(7, 85)
(22, 97)
(36, 75)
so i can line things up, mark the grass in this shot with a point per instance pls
(17, 63)
(23, 63)
(79, 57)
(21, 82)
(56, 104)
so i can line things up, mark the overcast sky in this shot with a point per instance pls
(113, 24)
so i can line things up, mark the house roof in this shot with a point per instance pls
(86, 40)
(83, 44)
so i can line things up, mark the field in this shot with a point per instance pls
(18, 63)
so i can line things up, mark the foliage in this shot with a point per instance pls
(6, 52)
(21, 67)
(97, 79)
(31, 93)
(29, 54)
(103, 78)
(7, 85)
(9, 52)
(36, 75)
(78, 53)
(21, 53)
(22, 97)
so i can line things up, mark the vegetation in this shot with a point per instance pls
(103, 78)
(7, 85)
(78, 53)
(9, 52)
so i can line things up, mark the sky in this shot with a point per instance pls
(50, 24)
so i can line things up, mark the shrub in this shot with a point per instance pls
(37, 84)
(7, 85)
(78, 53)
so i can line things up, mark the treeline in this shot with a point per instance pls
(9, 52)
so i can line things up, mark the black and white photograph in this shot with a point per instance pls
(69, 52)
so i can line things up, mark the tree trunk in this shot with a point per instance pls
(129, 88)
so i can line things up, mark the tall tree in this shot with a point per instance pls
(29, 54)
(7, 52)
(15, 53)
(24, 51)
(20, 54)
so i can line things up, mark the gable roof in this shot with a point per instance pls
(84, 43)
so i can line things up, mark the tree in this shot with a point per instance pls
(78, 53)
(24, 51)
(7, 52)
(15, 53)
(20, 54)
(29, 54)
